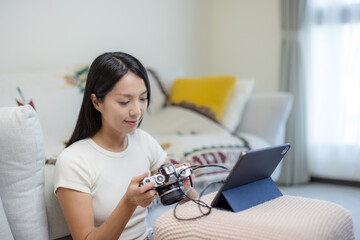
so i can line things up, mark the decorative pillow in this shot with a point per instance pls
(235, 107)
(56, 94)
(5, 231)
(22, 162)
(209, 93)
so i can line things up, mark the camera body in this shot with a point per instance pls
(168, 182)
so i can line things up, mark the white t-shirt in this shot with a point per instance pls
(86, 167)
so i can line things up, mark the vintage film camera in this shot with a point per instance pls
(168, 182)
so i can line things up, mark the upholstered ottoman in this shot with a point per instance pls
(286, 217)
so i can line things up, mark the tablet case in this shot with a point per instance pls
(254, 186)
(249, 195)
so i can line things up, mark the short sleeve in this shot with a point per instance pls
(72, 172)
(159, 159)
(153, 148)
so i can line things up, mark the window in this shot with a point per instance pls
(333, 89)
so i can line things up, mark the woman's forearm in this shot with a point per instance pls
(116, 222)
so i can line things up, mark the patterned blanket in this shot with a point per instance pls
(191, 137)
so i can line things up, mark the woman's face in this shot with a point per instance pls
(124, 106)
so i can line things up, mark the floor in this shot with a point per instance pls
(346, 196)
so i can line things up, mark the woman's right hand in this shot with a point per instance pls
(140, 196)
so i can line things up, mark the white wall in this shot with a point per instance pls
(204, 37)
(49, 33)
(246, 40)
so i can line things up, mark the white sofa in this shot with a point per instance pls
(25, 179)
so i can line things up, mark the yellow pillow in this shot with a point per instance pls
(212, 92)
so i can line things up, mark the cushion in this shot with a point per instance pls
(22, 162)
(211, 93)
(55, 93)
(5, 231)
(285, 217)
(235, 107)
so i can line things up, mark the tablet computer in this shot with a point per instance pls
(249, 182)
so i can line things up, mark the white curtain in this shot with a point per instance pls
(293, 58)
(333, 89)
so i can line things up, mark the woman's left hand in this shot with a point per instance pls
(190, 191)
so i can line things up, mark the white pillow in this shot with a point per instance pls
(234, 110)
(5, 231)
(22, 162)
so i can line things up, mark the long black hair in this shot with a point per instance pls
(105, 71)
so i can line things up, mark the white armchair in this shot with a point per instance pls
(265, 115)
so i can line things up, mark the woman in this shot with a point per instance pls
(97, 175)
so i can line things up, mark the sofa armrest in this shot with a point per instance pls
(265, 115)
(58, 228)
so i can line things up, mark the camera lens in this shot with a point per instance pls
(170, 194)
(172, 197)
